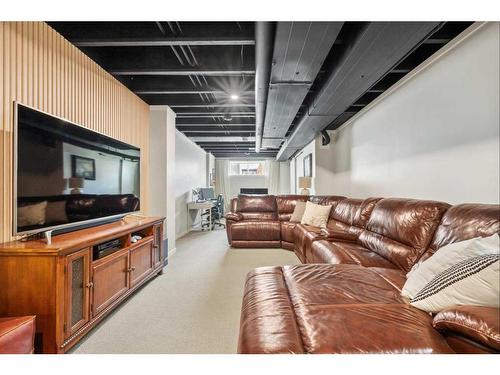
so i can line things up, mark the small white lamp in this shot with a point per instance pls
(305, 184)
(76, 185)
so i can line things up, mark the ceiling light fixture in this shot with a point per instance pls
(234, 97)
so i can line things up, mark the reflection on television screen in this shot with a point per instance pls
(68, 174)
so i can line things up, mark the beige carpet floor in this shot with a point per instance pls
(194, 307)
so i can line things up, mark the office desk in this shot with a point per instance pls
(197, 206)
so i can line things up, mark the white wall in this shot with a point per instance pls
(284, 185)
(436, 136)
(293, 177)
(191, 173)
(210, 168)
(162, 169)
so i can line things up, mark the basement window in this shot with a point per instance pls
(247, 168)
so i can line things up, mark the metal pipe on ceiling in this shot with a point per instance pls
(264, 41)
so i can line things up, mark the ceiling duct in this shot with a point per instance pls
(375, 50)
(264, 34)
(325, 138)
(300, 48)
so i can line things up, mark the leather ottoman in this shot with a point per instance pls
(17, 335)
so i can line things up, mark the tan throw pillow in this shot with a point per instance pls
(316, 215)
(298, 212)
(461, 273)
(33, 214)
(56, 212)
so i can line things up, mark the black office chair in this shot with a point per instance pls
(217, 214)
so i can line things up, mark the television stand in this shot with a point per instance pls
(73, 281)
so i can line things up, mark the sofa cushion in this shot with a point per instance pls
(346, 253)
(256, 203)
(343, 284)
(303, 236)
(400, 230)
(287, 231)
(281, 314)
(463, 222)
(255, 231)
(368, 329)
(326, 200)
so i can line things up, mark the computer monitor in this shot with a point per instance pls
(207, 193)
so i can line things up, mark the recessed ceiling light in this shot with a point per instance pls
(234, 97)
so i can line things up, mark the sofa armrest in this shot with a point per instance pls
(234, 216)
(478, 323)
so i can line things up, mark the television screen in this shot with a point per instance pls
(67, 174)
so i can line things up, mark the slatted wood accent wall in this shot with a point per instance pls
(39, 68)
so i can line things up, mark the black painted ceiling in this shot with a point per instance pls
(196, 67)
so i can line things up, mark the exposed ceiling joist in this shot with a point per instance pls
(182, 72)
(216, 114)
(166, 42)
(212, 105)
(193, 101)
(228, 131)
(188, 92)
(222, 139)
(204, 126)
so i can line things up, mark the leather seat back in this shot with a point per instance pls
(349, 217)
(326, 200)
(257, 207)
(463, 222)
(401, 230)
(286, 205)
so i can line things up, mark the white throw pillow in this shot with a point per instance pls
(461, 273)
(32, 214)
(316, 215)
(474, 282)
(298, 212)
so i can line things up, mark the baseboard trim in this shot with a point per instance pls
(182, 234)
(171, 252)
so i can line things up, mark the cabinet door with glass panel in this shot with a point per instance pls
(77, 293)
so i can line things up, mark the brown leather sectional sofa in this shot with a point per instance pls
(346, 298)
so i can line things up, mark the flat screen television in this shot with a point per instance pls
(67, 176)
